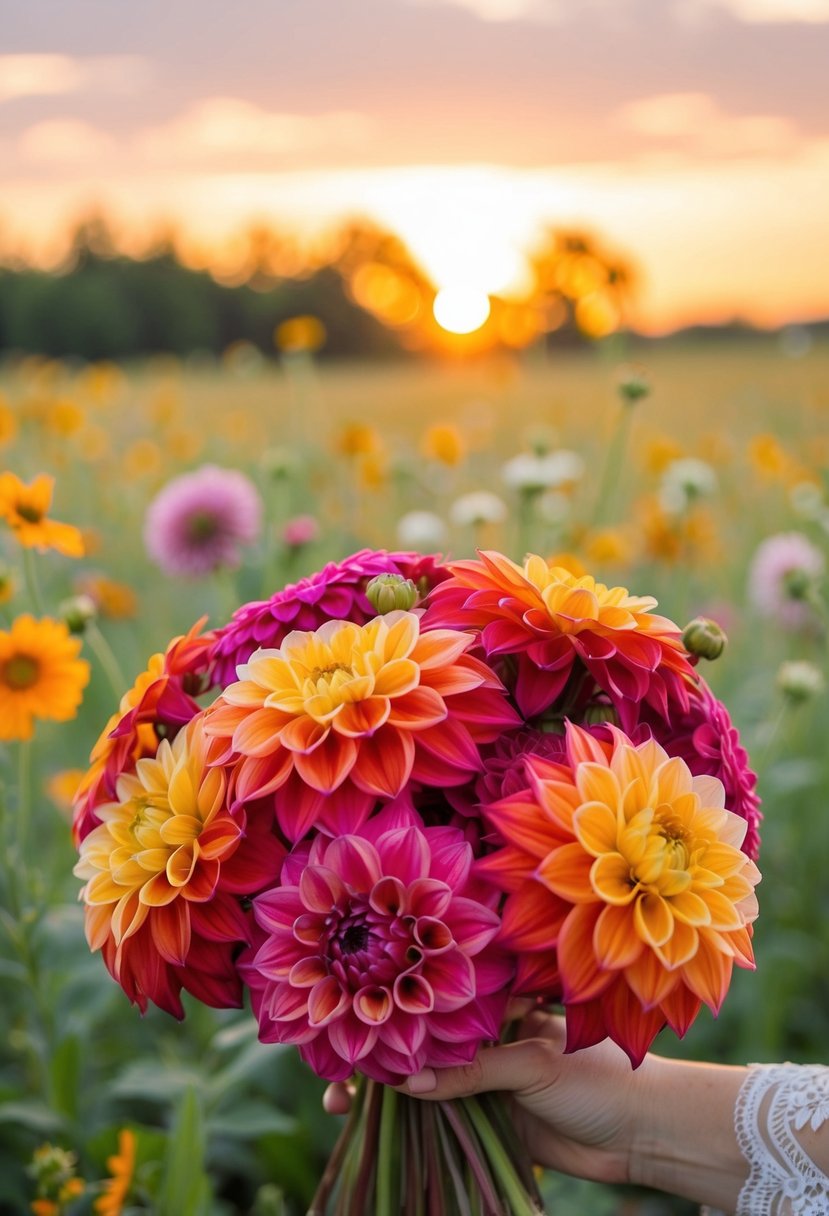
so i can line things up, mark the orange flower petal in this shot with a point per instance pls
(614, 942)
(567, 872)
(653, 919)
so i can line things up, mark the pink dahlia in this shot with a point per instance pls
(783, 580)
(375, 952)
(566, 634)
(201, 521)
(337, 592)
(709, 743)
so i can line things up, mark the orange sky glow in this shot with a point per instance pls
(690, 136)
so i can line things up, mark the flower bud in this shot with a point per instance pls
(633, 385)
(77, 612)
(704, 638)
(391, 592)
(800, 680)
(597, 714)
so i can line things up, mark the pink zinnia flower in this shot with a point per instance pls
(337, 592)
(375, 952)
(784, 573)
(201, 521)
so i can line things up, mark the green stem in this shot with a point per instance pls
(520, 1202)
(31, 580)
(24, 798)
(388, 1130)
(612, 467)
(103, 652)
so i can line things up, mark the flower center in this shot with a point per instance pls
(202, 526)
(31, 514)
(20, 672)
(354, 938)
(324, 673)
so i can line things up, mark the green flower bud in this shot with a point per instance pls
(704, 638)
(77, 612)
(800, 680)
(633, 385)
(391, 592)
(597, 714)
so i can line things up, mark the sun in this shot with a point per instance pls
(461, 309)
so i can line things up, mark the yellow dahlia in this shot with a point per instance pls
(41, 675)
(630, 869)
(25, 509)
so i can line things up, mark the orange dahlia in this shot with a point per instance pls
(25, 509)
(160, 701)
(630, 870)
(164, 869)
(568, 635)
(41, 675)
(121, 1166)
(348, 714)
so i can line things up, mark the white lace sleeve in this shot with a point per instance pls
(779, 1108)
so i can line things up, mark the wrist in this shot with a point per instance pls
(684, 1142)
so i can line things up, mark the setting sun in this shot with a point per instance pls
(461, 309)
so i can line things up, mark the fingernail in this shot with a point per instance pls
(422, 1082)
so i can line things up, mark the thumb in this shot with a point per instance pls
(519, 1067)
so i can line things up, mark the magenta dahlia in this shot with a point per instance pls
(375, 952)
(336, 592)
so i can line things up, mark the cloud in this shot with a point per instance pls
(694, 123)
(230, 128)
(64, 141)
(774, 12)
(50, 75)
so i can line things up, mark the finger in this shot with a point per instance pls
(522, 1066)
(336, 1100)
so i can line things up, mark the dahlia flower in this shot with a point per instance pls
(709, 743)
(200, 522)
(338, 591)
(159, 703)
(375, 952)
(353, 713)
(783, 578)
(629, 868)
(562, 627)
(41, 675)
(164, 871)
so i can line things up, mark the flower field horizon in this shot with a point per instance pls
(667, 470)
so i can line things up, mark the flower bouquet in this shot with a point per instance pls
(398, 794)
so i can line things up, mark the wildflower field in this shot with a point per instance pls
(696, 473)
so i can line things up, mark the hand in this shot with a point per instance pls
(575, 1113)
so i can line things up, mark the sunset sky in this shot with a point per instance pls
(692, 135)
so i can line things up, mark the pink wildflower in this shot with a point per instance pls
(200, 521)
(376, 953)
(300, 531)
(784, 574)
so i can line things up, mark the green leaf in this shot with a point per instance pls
(64, 1073)
(154, 1081)
(32, 1114)
(185, 1188)
(250, 1119)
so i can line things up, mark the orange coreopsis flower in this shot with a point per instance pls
(628, 871)
(41, 675)
(25, 509)
(121, 1166)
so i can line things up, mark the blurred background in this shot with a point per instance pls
(434, 274)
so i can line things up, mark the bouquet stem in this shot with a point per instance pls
(404, 1155)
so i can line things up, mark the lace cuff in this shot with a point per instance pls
(780, 1105)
